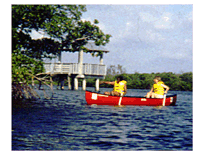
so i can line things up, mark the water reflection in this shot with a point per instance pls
(161, 107)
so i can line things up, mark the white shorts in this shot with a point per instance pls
(159, 96)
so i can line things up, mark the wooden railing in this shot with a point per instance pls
(73, 68)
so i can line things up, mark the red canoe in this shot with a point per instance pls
(101, 99)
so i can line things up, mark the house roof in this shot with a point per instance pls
(91, 47)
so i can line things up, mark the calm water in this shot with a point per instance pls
(67, 123)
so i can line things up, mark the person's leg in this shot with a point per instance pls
(107, 93)
(153, 95)
(114, 93)
(149, 94)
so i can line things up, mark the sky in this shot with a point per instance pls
(145, 38)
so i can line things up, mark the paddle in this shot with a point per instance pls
(120, 99)
(164, 100)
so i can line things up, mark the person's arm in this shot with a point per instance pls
(106, 82)
(151, 90)
(125, 88)
(165, 86)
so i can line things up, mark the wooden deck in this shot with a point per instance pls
(74, 68)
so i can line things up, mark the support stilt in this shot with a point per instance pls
(75, 83)
(97, 85)
(69, 82)
(84, 84)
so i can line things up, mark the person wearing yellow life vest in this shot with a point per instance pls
(158, 88)
(120, 87)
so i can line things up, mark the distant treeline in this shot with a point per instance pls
(181, 82)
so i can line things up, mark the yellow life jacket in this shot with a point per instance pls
(158, 89)
(119, 87)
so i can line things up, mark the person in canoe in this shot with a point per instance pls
(120, 87)
(157, 91)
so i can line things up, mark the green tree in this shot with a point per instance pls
(115, 70)
(181, 82)
(64, 29)
(186, 81)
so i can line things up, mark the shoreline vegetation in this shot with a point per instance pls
(177, 82)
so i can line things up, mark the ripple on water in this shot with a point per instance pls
(67, 123)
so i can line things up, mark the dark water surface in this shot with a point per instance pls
(67, 123)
